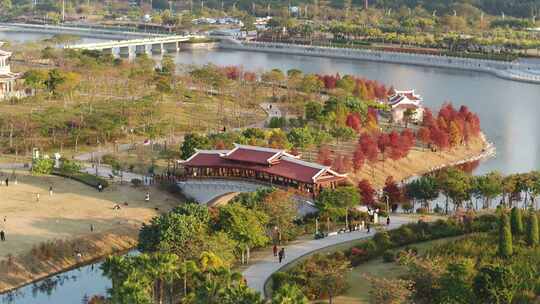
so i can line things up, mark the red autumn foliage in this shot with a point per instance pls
(358, 158)
(392, 190)
(383, 143)
(324, 156)
(363, 88)
(354, 122)
(372, 114)
(341, 164)
(369, 147)
(232, 72)
(367, 192)
(250, 76)
(424, 135)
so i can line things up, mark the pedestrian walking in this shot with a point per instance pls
(281, 254)
(37, 197)
(100, 187)
(7, 182)
(274, 249)
(147, 197)
(368, 227)
(91, 227)
(50, 191)
(387, 221)
(2, 236)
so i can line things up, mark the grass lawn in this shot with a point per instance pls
(358, 292)
(68, 215)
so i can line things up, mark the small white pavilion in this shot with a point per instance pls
(8, 78)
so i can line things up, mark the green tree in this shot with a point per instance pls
(330, 275)
(275, 78)
(243, 225)
(35, 79)
(456, 185)
(343, 133)
(505, 236)
(311, 84)
(335, 202)
(488, 187)
(300, 137)
(313, 111)
(184, 235)
(193, 209)
(516, 221)
(193, 141)
(456, 283)
(42, 166)
(495, 284)
(289, 294)
(533, 238)
(424, 189)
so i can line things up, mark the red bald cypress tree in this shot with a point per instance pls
(367, 192)
(354, 122)
(324, 156)
(358, 158)
(392, 190)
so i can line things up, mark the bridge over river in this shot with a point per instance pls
(139, 46)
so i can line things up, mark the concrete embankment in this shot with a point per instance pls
(93, 32)
(507, 70)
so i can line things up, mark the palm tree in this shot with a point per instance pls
(113, 268)
(162, 266)
(186, 268)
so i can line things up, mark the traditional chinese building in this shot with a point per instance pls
(272, 166)
(401, 101)
(7, 78)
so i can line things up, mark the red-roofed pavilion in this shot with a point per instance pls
(273, 166)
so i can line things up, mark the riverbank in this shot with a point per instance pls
(420, 162)
(25, 269)
(43, 236)
(507, 70)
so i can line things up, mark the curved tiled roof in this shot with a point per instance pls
(253, 158)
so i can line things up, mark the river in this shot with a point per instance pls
(509, 113)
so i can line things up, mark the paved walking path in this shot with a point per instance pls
(257, 274)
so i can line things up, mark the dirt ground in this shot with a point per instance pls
(70, 211)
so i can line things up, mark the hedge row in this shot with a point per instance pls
(417, 233)
(85, 178)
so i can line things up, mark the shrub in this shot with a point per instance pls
(407, 207)
(382, 240)
(136, 182)
(70, 167)
(109, 159)
(42, 166)
(422, 210)
(388, 256)
(85, 178)
(279, 279)
(403, 235)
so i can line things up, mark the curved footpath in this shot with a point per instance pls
(257, 274)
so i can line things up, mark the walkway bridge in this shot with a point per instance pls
(206, 190)
(139, 46)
